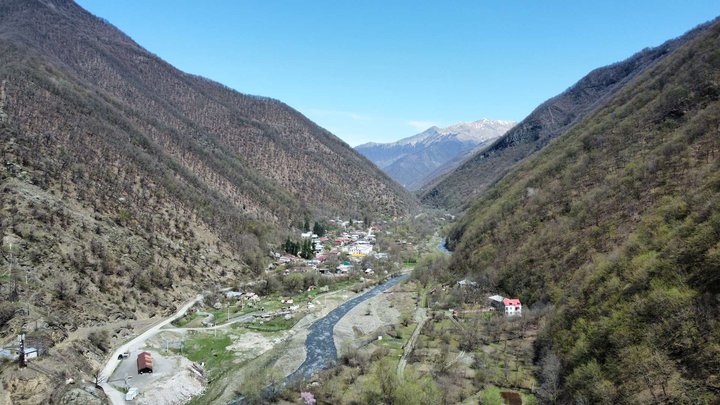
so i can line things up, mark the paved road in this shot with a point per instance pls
(319, 343)
(115, 396)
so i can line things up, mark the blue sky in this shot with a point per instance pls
(383, 70)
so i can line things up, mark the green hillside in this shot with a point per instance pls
(617, 224)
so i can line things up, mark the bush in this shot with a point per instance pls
(7, 312)
(100, 339)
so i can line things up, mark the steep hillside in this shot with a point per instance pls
(617, 224)
(418, 159)
(128, 186)
(554, 117)
(254, 152)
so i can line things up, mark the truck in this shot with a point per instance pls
(144, 363)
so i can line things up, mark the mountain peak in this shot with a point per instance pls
(434, 151)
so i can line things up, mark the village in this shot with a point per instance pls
(212, 349)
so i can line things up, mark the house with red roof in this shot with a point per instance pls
(509, 306)
(512, 306)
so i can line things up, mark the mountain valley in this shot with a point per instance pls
(165, 239)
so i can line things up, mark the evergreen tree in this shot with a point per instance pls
(319, 229)
(291, 247)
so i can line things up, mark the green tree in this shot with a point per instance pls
(491, 396)
(291, 247)
(416, 390)
(319, 229)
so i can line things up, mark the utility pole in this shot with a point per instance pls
(21, 359)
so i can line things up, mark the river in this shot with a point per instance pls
(320, 345)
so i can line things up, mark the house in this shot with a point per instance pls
(233, 295)
(7, 354)
(344, 267)
(509, 306)
(513, 307)
(467, 283)
(30, 353)
(251, 296)
(496, 302)
(144, 363)
(132, 393)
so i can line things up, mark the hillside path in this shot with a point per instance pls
(421, 317)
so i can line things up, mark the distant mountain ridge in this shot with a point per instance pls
(415, 160)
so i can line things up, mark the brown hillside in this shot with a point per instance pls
(129, 186)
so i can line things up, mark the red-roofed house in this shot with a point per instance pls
(512, 306)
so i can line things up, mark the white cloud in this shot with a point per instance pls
(421, 125)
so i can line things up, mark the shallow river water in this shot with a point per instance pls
(320, 345)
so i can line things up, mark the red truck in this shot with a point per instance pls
(144, 363)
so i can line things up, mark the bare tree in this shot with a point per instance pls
(550, 368)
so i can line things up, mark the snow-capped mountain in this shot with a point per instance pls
(415, 160)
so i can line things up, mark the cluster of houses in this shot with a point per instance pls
(248, 296)
(353, 245)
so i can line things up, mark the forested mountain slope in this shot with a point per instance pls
(128, 186)
(458, 188)
(617, 224)
(255, 153)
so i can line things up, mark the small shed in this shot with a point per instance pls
(30, 353)
(144, 363)
(496, 301)
(132, 393)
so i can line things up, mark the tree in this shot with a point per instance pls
(382, 383)
(100, 339)
(64, 288)
(550, 369)
(649, 372)
(291, 247)
(491, 396)
(307, 249)
(319, 229)
(306, 225)
(416, 390)
(7, 312)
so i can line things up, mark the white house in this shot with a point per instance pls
(509, 306)
(513, 307)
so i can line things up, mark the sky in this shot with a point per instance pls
(384, 70)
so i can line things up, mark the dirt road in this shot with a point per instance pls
(420, 317)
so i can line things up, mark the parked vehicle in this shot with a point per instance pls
(144, 363)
